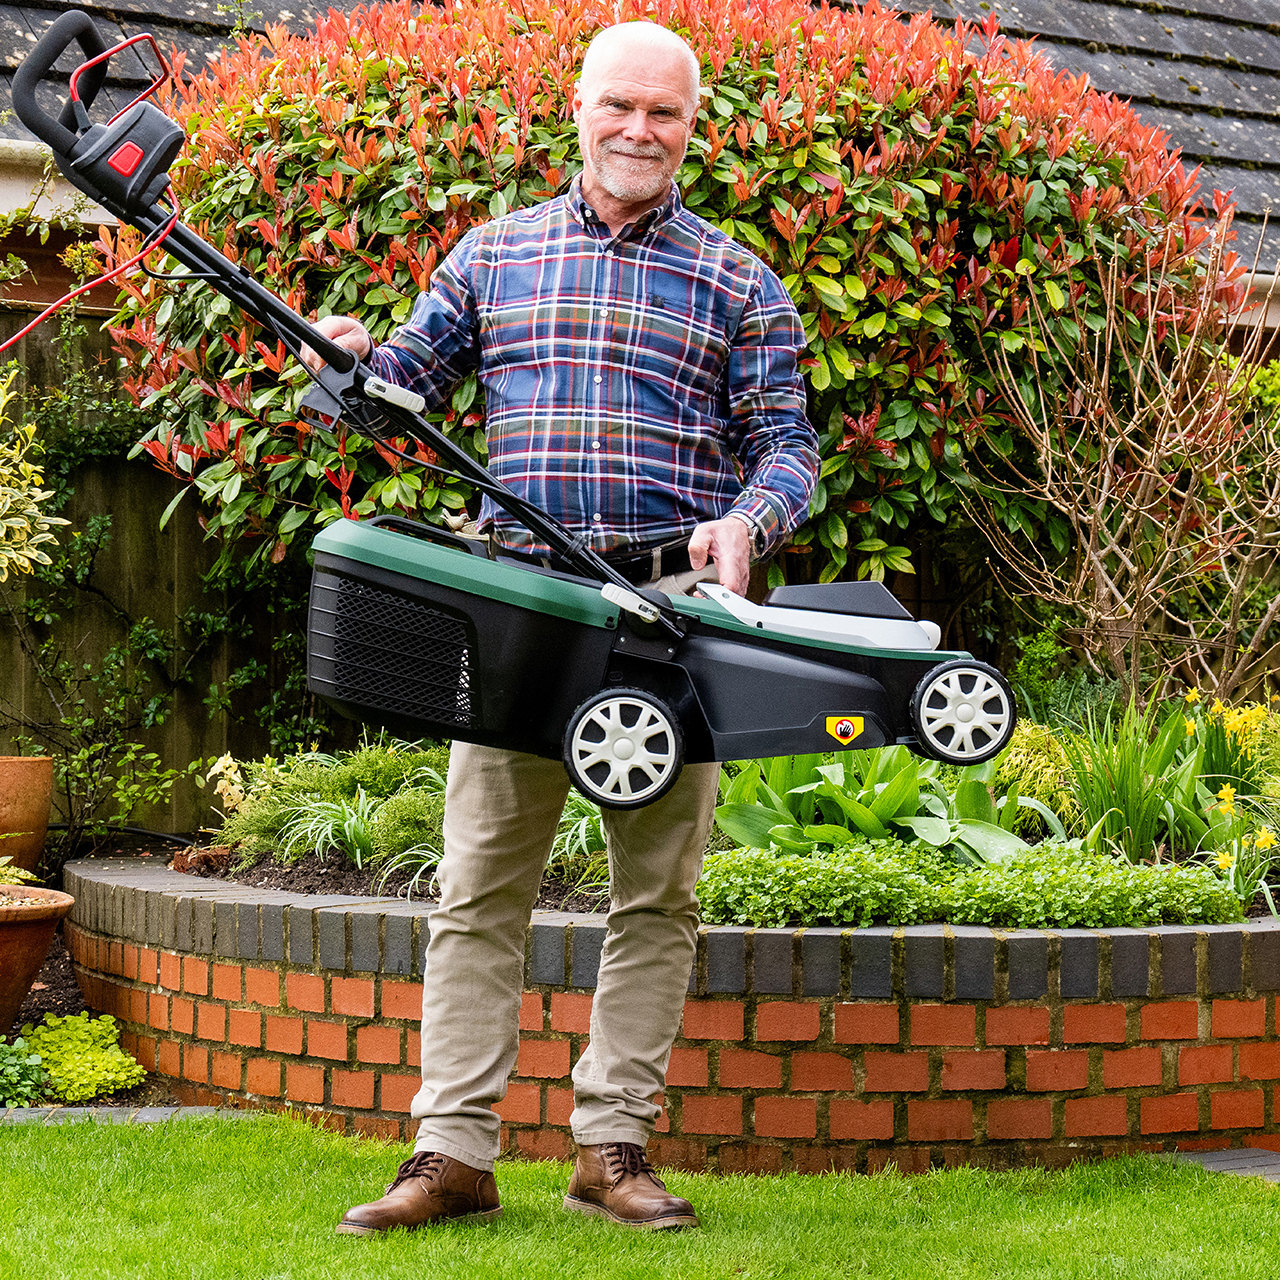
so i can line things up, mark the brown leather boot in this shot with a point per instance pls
(428, 1188)
(616, 1181)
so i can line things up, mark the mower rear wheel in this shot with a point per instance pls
(963, 712)
(623, 748)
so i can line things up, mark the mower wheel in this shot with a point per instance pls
(623, 748)
(963, 712)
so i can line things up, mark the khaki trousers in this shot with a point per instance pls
(501, 813)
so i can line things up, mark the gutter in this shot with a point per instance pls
(22, 182)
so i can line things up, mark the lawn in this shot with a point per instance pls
(257, 1199)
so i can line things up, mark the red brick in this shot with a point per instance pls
(413, 1049)
(1260, 1061)
(1057, 1069)
(751, 1157)
(262, 986)
(170, 970)
(544, 1059)
(1173, 1113)
(227, 982)
(1173, 1020)
(569, 1012)
(158, 1012)
(858, 1121)
(1205, 1064)
(326, 1039)
(903, 1159)
(225, 1069)
(195, 1063)
(895, 1072)
(1127, 1068)
(522, 1105)
(787, 1117)
(114, 961)
(138, 1006)
(1238, 1019)
(1240, 1109)
(828, 1072)
(943, 1024)
(745, 1069)
(544, 1144)
(146, 1052)
(1096, 1117)
(304, 991)
(352, 1089)
(303, 1083)
(398, 1091)
(129, 962)
(811, 1160)
(211, 1021)
(1262, 1141)
(168, 1057)
(352, 997)
(530, 1010)
(867, 1024)
(195, 976)
(678, 1153)
(950, 1121)
(129, 1043)
(245, 1027)
(377, 1127)
(688, 1067)
(983, 1069)
(1018, 1026)
(148, 966)
(713, 1020)
(711, 1115)
(1094, 1024)
(1010, 1118)
(559, 1106)
(787, 1020)
(284, 1035)
(377, 1044)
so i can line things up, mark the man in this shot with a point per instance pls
(633, 358)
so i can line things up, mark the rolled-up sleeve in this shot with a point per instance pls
(772, 437)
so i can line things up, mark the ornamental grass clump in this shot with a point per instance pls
(915, 186)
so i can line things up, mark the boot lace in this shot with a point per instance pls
(628, 1157)
(420, 1164)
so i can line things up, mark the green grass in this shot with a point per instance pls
(258, 1199)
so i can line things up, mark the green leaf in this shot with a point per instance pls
(749, 824)
(874, 324)
(173, 505)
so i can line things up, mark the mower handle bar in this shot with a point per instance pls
(59, 134)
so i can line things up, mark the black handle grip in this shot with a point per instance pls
(59, 134)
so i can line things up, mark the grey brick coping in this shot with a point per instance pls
(114, 1115)
(1249, 1162)
(142, 902)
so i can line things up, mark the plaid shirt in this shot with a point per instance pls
(634, 386)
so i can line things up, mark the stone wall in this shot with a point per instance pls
(804, 1049)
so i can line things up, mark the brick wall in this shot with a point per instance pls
(799, 1049)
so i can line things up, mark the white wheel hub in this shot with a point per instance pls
(625, 748)
(963, 712)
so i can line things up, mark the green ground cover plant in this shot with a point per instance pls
(82, 1056)
(257, 1198)
(23, 1080)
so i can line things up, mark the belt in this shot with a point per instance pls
(646, 564)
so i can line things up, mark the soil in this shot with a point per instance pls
(314, 874)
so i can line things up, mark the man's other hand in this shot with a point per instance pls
(728, 543)
(345, 332)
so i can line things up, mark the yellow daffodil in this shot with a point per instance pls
(1226, 792)
(1218, 707)
(1192, 695)
(1191, 728)
(1225, 861)
(1226, 809)
(1264, 840)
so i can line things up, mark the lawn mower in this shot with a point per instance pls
(417, 628)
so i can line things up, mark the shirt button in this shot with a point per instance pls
(608, 253)
(604, 315)
(595, 444)
(597, 517)
(597, 378)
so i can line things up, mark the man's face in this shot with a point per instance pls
(634, 121)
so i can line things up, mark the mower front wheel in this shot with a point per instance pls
(963, 712)
(623, 748)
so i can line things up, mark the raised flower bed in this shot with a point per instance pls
(803, 1049)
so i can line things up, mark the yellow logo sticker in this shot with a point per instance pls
(844, 728)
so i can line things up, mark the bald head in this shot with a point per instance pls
(631, 44)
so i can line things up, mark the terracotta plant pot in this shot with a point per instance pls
(25, 934)
(26, 789)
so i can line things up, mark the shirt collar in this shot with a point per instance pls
(586, 216)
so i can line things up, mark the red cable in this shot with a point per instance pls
(93, 284)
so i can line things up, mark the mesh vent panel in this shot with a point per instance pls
(397, 655)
